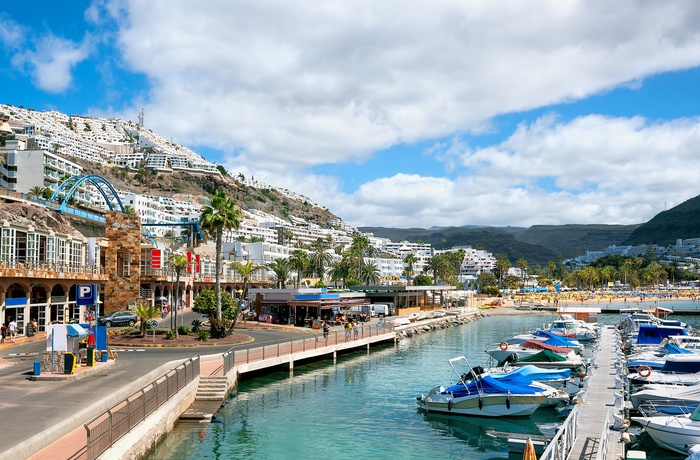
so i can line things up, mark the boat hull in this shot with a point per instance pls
(491, 405)
(671, 433)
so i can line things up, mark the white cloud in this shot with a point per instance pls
(604, 170)
(309, 83)
(284, 86)
(52, 62)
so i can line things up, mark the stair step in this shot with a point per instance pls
(209, 398)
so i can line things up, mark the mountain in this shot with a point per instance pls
(680, 222)
(574, 240)
(538, 244)
(494, 240)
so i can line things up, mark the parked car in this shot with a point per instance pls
(119, 318)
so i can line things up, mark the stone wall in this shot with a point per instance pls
(123, 233)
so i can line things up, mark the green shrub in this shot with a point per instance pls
(219, 328)
(196, 325)
(203, 336)
(169, 334)
(183, 330)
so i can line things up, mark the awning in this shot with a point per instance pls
(75, 330)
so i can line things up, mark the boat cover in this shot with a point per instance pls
(675, 349)
(652, 334)
(546, 356)
(490, 385)
(531, 373)
(564, 340)
(544, 346)
(682, 364)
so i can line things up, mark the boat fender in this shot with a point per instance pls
(644, 371)
(481, 403)
(504, 346)
(508, 402)
(449, 405)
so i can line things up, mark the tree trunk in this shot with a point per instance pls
(217, 277)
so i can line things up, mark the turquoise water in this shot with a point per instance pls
(364, 406)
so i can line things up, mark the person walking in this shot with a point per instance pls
(13, 330)
(4, 332)
(348, 329)
(326, 329)
(356, 329)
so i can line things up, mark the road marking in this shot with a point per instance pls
(13, 355)
(123, 350)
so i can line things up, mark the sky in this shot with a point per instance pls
(393, 113)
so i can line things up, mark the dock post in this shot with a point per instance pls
(291, 364)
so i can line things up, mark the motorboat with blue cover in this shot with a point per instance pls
(485, 396)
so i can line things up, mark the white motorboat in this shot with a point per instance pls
(485, 396)
(666, 394)
(568, 326)
(673, 432)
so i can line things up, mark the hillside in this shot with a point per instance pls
(494, 240)
(574, 240)
(682, 221)
(195, 187)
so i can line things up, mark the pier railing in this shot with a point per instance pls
(108, 427)
(603, 443)
(236, 356)
(561, 444)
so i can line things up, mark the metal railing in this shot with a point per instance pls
(108, 427)
(603, 443)
(276, 349)
(561, 444)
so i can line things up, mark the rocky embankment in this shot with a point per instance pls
(434, 324)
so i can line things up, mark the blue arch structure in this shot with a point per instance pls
(72, 183)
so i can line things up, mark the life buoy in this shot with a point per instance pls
(645, 371)
(504, 346)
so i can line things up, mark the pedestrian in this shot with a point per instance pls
(4, 333)
(326, 329)
(348, 328)
(13, 329)
(356, 329)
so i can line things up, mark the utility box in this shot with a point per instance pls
(68, 363)
(90, 360)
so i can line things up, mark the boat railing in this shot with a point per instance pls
(603, 442)
(665, 407)
(562, 443)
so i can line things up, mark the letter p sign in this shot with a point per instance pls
(86, 294)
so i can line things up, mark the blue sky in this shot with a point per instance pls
(396, 113)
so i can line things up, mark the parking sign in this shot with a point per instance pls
(86, 294)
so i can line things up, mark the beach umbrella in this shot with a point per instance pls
(529, 452)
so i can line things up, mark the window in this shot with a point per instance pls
(7, 246)
(50, 249)
(62, 256)
(76, 253)
(32, 247)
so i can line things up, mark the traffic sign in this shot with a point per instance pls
(86, 294)
(154, 324)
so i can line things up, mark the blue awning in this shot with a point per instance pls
(74, 330)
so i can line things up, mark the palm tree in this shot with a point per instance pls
(410, 260)
(299, 262)
(522, 265)
(221, 214)
(340, 270)
(146, 312)
(281, 269)
(36, 192)
(319, 259)
(502, 265)
(246, 270)
(178, 263)
(369, 273)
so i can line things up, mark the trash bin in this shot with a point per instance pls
(37, 367)
(90, 361)
(68, 363)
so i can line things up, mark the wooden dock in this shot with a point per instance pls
(600, 406)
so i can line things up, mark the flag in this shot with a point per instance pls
(557, 287)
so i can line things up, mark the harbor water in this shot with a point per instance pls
(364, 406)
